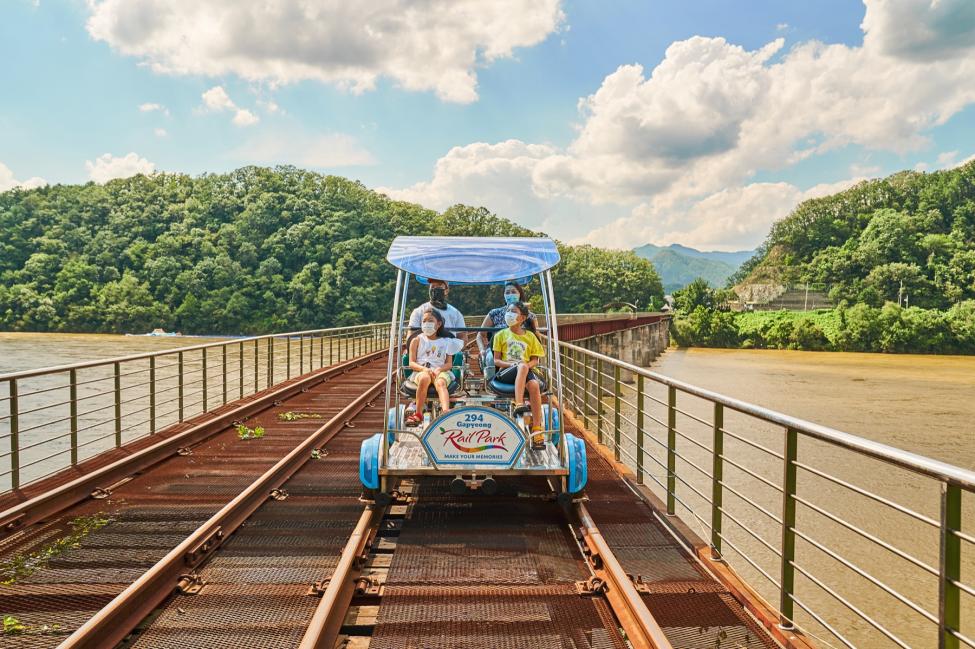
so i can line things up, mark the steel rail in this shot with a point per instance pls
(642, 630)
(326, 622)
(54, 500)
(119, 617)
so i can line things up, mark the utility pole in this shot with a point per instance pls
(900, 294)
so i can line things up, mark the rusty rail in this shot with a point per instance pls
(60, 497)
(116, 620)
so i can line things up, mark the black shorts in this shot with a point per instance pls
(509, 374)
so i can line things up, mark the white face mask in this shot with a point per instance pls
(429, 328)
(510, 318)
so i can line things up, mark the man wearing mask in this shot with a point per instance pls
(453, 319)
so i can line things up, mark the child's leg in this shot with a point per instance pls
(520, 384)
(442, 392)
(535, 395)
(422, 387)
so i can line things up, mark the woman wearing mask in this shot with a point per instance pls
(513, 292)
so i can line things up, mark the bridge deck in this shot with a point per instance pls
(443, 571)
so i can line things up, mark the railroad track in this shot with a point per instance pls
(93, 538)
(222, 549)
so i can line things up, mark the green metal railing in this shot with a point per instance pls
(56, 417)
(803, 523)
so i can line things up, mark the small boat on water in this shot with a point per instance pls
(158, 332)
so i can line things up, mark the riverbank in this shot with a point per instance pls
(858, 328)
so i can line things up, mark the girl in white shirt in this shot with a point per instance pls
(431, 358)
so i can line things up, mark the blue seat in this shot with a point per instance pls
(508, 389)
(408, 387)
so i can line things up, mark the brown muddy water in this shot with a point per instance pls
(922, 404)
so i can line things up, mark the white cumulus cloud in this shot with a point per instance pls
(106, 167)
(434, 45)
(150, 107)
(7, 180)
(673, 144)
(217, 100)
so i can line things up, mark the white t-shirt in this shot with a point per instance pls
(434, 353)
(452, 318)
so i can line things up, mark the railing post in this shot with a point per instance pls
(599, 400)
(671, 451)
(14, 436)
(301, 354)
(223, 349)
(639, 428)
(717, 473)
(617, 433)
(346, 348)
(331, 350)
(152, 395)
(287, 352)
(787, 572)
(205, 404)
(240, 364)
(321, 351)
(182, 382)
(589, 391)
(118, 404)
(270, 362)
(73, 392)
(949, 596)
(257, 366)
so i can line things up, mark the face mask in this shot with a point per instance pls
(510, 298)
(511, 318)
(429, 328)
(438, 297)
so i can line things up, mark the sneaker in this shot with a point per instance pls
(538, 441)
(522, 409)
(414, 420)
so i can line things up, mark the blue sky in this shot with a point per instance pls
(524, 109)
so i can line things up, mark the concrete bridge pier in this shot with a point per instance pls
(638, 346)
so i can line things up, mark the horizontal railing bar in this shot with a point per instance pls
(699, 469)
(94, 410)
(751, 473)
(867, 535)
(961, 586)
(850, 606)
(866, 575)
(755, 445)
(912, 461)
(45, 459)
(868, 494)
(40, 408)
(709, 424)
(141, 423)
(366, 328)
(25, 394)
(958, 634)
(694, 489)
(45, 424)
(753, 534)
(693, 441)
(823, 622)
(751, 502)
(962, 535)
(773, 580)
(691, 511)
(96, 439)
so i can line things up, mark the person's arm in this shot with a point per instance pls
(481, 336)
(533, 362)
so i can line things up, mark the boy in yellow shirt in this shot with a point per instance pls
(517, 350)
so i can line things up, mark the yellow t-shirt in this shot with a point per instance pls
(513, 347)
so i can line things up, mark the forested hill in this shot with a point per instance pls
(912, 229)
(252, 251)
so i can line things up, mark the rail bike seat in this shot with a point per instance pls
(408, 387)
(508, 389)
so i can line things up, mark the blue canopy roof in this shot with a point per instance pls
(473, 260)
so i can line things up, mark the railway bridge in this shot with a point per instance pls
(208, 496)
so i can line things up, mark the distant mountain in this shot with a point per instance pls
(679, 265)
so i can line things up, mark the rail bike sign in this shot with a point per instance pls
(473, 436)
